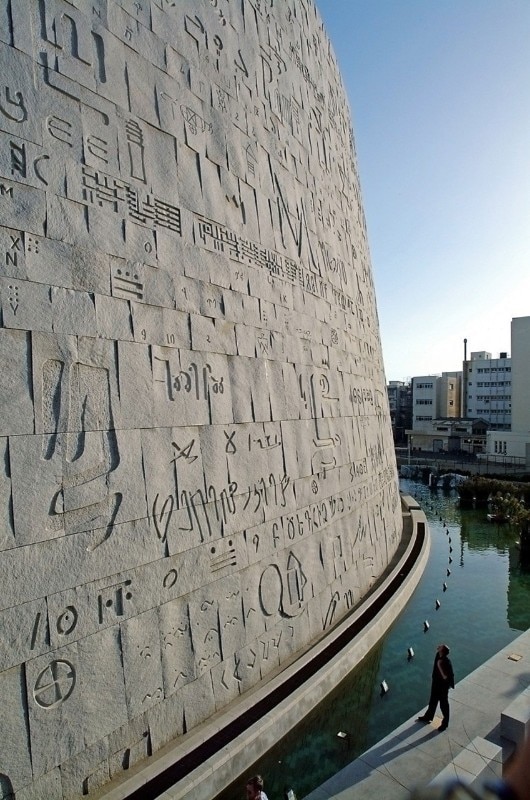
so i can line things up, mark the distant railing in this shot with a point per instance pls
(481, 464)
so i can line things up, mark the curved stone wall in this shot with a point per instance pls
(197, 474)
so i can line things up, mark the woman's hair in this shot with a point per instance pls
(445, 650)
(256, 782)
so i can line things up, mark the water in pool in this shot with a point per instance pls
(485, 606)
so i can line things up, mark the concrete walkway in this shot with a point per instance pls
(472, 748)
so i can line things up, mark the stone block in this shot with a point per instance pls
(15, 758)
(187, 294)
(136, 382)
(247, 666)
(13, 260)
(113, 318)
(251, 402)
(76, 697)
(7, 533)
(515, 719)
(24, 633)
(250, 579)
(231, 620)
(178, 661)
(246, 340)
(198, 701)
(100, 223)
(141, 662)
(129, 744)
(212, 335)
(23, 206)
(73, 312)
(15, 394)
(86, 772)
(225, 682)
(203, 610)
(102, 487)
(26, 305)
(190, 192)
(71, 616)
(48, 786)
(140, 244)
(141, 87)
(22, 103)
(166, 720)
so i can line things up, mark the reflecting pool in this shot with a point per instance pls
(485, 606)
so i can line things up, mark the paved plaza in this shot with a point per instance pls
(472, 749)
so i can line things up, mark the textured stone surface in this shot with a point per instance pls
(196, 465)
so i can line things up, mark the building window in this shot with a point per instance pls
(451, 403)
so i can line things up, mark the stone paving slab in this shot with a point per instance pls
(417, 754)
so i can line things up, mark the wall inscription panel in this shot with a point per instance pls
(196, 465)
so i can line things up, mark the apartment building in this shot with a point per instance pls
(487, 392)
(400, 404)
(434, 397)
(514, 444)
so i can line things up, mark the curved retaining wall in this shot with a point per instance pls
(197, 474)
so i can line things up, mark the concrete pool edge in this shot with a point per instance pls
(274, 719)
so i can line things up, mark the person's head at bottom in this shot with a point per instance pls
(254, 787)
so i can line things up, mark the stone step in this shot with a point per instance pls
(515, 719)
(481, 760)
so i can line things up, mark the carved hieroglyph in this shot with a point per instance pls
(196, 467)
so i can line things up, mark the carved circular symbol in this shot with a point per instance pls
(67, 621)
(55, 684)
(170, 579)
(314, 487)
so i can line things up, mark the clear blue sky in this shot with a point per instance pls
(440, 100)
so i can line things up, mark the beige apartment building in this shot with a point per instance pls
(434, 397)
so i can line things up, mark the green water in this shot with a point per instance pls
(486, 605)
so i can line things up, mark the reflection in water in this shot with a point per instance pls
(485, 606)
(314, 743)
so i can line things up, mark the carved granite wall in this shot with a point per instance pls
(197, 472)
